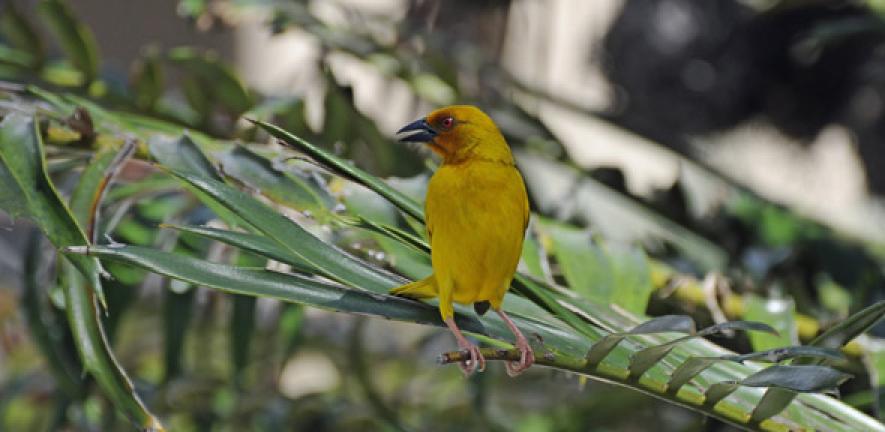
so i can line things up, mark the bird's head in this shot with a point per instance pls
(459, 133)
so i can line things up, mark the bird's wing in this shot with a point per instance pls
(526, 212)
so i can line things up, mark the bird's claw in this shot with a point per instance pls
(526, 359)
(475, 361)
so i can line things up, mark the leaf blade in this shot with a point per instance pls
(21, 151)
(345, 169)
(22, 154)
(330, 261)
(850, 327)
(76, 39)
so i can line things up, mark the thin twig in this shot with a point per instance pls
(488, 353)
(111, 171)
(713, 282)
(501, 354)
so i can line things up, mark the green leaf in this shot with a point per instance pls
(687, 371)
(62, 74)
(327, 259)
(364, 203)
(533, 257)
(250, 242)
(290, 325)
(692, 367)
(179, 299)
(45, 328)
(162, 208)
(662, 324)
(842, 333)
(82, 310)
(216, 77)
(149, 186)
(258, 173)
(289, 111)
(147, 80)
(728, 326)
(338, 115)
(602, 348)
(779, 313)
(198, 95)
(182, 155)
(242, 321)
(806, 378)
(313, 292)
(12, 199)
(718, 391)
(632, 278)
(75, 38)
(559, 304)
(832, 295)
(15, 59)
(616, 274)
(178, 311)
(643, 360)
(773, 402)
(242, 326)
(215, 275)
(88, 195)
(21, 35)
(286, 287)
(120, 297)
(586, 267)
(874, 358)
(21, 152)
(777, 355)
(369, 211)
(407, 260)
(402, 237)
(346, 169)
(85, 195)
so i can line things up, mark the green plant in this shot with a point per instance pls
(272, 206)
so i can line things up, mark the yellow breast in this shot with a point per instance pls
(476, 216)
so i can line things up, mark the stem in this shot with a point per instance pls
(579, 366)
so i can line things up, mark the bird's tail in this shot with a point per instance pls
(421, 289)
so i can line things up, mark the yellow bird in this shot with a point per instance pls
(476, 214)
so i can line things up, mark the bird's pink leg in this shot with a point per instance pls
(527, 356)
(476, 358)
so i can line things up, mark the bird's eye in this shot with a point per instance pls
(447, 122)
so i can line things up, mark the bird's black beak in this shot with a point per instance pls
(417, 131)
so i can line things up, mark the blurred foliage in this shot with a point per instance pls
(256, 240)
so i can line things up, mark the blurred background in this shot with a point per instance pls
(742, 143)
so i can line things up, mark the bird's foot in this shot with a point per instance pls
(475, 362)
(475, 359)
(526, 358)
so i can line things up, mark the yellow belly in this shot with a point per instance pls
(476, 215)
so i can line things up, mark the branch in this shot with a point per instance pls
(580, 366)
(548, 358)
